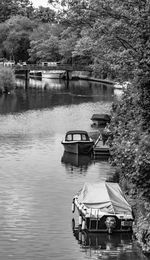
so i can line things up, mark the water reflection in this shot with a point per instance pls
(41, 94)
(82, 162)
(41, 83)
(75, 87)
(104, 246)
(36, 193)
(71, 161)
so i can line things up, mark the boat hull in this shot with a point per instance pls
(99, 225)
(99, 122)
(78, 147)
(95, 224)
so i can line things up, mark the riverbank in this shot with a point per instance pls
(141, 212)
(88, 78)
(7, 80)
(141, 227)
(130, 149)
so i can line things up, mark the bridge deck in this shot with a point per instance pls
(58, 67)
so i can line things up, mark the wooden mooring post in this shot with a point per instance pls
(27, 78)
(67, 75)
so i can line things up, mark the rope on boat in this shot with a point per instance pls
(97, 140)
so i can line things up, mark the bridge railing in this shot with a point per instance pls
(66, 67)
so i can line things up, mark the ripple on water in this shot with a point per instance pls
(37, 184)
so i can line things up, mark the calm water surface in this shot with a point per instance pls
(38, 181)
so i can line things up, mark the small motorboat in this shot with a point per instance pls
(78, 142)
(100, 119)
(102, 207)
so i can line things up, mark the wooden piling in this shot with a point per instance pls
(26, 78)
(67, 75)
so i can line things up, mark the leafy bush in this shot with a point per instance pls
(130, 145)
(7, 80)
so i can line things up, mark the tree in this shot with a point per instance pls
(44, 15)
(3, 32)
(44, 43)
(118, 26)
(120, 32)
(16, 41)
(10, 8)
(67, 43)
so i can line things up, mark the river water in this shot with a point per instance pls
(38, 181)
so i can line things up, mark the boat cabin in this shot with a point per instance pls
(77, 136)
(100, 119)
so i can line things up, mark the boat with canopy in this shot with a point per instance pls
(102, 207)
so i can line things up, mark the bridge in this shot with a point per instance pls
(66, 69)
(63, 67)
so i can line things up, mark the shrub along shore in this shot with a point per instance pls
(130, 149)
(7, 80)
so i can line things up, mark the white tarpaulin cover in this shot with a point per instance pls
(104, 196)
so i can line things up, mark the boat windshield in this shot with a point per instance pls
(77, 137)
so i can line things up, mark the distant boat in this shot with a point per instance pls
(102, 207)
(35, 73)
(100, 119)
(123, 85)
(78, 142)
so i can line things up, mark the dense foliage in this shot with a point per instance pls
(130, 146)
(16, 43)
(9, 8)
(114, 33)
(7, 80)
(111, 36)
(44, 43)
(18, 20)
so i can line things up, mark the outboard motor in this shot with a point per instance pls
(110, 224)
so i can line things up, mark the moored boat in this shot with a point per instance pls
(78, 142)
(123, 85)
(102, 207)
(100, 119)
(101, 148)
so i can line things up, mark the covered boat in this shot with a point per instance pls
(102, 207)
(100, 119)
(78, 142)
